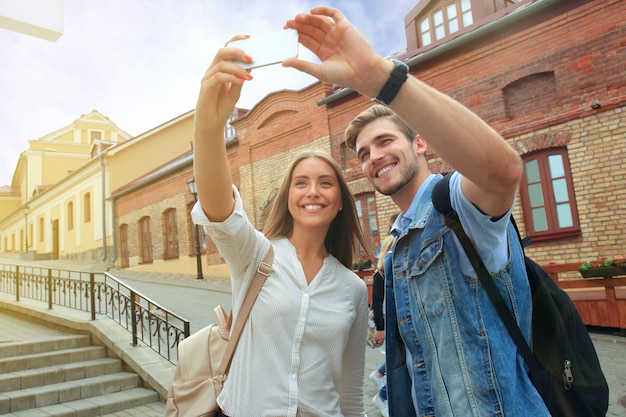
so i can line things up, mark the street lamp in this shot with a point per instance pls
(192, 189)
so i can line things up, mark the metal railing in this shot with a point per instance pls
(100, 293)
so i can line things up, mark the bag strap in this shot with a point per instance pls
(442, 203)
(262, 272)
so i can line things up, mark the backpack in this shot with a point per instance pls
(562, 361)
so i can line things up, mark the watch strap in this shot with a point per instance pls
(390, 90)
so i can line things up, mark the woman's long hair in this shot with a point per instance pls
(345, 228)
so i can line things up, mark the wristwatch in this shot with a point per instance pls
(397, 77)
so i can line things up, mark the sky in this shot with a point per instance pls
(139, 62)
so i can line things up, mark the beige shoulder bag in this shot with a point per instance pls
(204, 358)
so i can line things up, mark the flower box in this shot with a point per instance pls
(603, 272)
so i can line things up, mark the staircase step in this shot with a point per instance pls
(11, 349)
(58, 373)
(65, 392)
(50, 358)
(94, 406)
(153, 409)
(46, 373)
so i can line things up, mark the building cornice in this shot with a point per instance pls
(154, 176)
(507, 20)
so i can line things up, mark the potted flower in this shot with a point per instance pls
(605, 268)
(361, 264)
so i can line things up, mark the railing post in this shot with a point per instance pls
(17, 283)
(49, 289)
(187, 332)
(134, 316)
(92, 294)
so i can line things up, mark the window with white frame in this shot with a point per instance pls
(444, 21)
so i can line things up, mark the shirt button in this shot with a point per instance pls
(292, 376)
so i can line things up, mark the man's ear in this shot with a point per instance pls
(419, 145)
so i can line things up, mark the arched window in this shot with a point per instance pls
(145, 240)
(170, 234)
(195, 230)
(87, 207)
(124, 255)
(41, 229)
(70, 215)
(366, 210)
(547, 195)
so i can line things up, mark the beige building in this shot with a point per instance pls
(55, 205)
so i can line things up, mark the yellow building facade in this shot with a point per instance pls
(55, 205)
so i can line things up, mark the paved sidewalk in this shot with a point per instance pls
(191, 298)
(195, 300)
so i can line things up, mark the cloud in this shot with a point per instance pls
(140, 62)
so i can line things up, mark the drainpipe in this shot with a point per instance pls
(113, 232)
(104, 211)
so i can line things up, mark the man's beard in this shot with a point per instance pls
(408, 173)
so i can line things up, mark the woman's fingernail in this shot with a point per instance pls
(247, 57)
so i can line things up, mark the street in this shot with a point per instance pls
(195, 299)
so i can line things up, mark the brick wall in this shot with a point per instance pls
(534, 81)
(575, 53)
(599, 179)
(280, 127)
(152, 201)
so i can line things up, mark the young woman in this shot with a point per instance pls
(302, 351)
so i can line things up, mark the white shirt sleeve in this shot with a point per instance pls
(238, 241)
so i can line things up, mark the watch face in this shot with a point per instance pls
(400, 66)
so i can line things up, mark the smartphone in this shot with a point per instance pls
(268, 49)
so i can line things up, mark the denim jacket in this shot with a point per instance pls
(462, 361)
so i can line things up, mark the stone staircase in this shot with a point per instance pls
(66, 376)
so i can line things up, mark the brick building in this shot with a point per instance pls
(546, 74)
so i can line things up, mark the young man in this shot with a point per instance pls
(447, 350)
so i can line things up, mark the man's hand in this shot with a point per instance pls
(347, 57)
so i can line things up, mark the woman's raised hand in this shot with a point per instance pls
(221, 85)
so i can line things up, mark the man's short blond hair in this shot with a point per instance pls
(368, 116)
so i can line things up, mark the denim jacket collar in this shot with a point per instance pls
(418, 212)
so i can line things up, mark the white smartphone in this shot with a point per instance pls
(268, 49)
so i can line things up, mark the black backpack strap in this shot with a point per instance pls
(441, 196)
(525, 242)
(441, 202)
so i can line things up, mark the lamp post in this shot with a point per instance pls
(192, 189)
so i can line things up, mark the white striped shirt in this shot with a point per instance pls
(302, 351)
